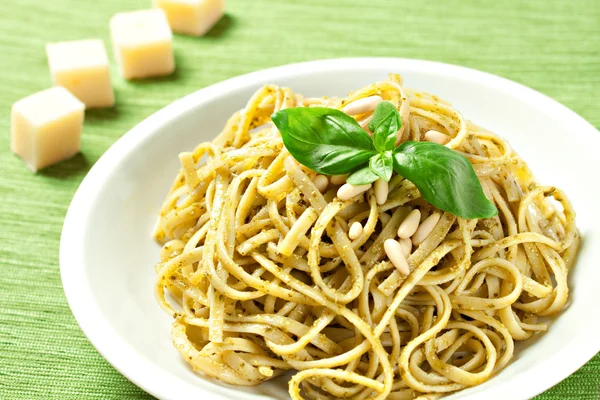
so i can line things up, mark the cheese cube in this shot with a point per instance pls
(192, 17)
(142, 43)
(46, 127)
(82, 67)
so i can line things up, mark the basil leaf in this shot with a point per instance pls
(324, 139)
(362, 177)
(385, 125)
(444, 177)
(382, 165)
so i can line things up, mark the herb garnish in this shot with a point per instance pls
(332, 143)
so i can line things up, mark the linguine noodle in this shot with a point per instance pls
(262, 276)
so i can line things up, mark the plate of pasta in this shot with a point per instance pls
(367, 228)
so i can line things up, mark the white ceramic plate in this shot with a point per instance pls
(107, 253)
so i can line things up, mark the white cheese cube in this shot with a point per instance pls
(46, 127)
(82, 67)
(192, 17)
(142, 43)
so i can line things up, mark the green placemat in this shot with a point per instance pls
(550, 45)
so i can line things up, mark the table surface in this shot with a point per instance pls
(550, 45)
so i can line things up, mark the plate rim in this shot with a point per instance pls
(149, 377)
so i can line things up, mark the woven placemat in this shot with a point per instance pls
(550, 45)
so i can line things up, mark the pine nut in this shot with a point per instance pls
(355, 230)
(394, 251)
(365, 123)
(381, 191)
(406, 245)
(409, 226)
(347, 191)
(385, 218)
(339, 179)
(362, 106)
(436, 137)
(425, 228)
(321, 182)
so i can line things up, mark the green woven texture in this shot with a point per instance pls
(550, 45)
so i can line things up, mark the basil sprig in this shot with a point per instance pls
(385, 124)
(332, 143)
(444, 177)
(325, 140)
